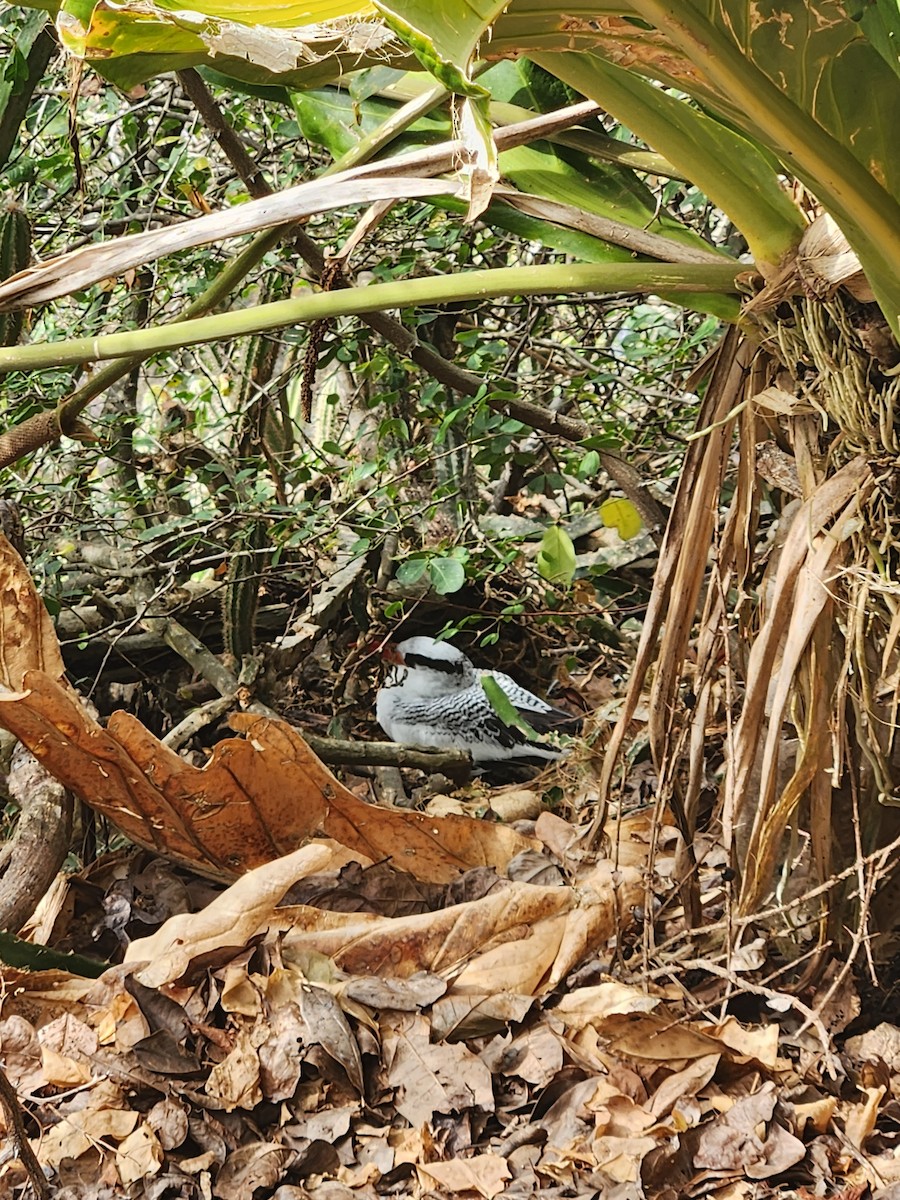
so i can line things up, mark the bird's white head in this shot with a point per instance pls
(426, 668)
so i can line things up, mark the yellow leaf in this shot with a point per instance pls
(622, 516)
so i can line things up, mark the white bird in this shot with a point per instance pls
(433, 698)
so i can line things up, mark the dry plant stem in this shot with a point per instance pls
(673, 563)
(866, 889)
(9, 1102)
(396, 333)
(882, 857)
(755, 989)
(404, 176)
(41, 841)
(331, 750)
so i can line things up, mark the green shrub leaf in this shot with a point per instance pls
(556, 557)
(447, 575)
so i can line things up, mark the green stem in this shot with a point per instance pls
(234, 271)
(388, 131)
(639, 278)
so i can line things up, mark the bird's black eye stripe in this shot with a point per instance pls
(433, 664)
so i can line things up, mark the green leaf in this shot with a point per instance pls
(881, 23)
(729, 168)
(812, 90)
(16, 952)
(621, 515)
(589, 465)
(336, 119)
(559, 173)
(129, 44)
(412, 570)
(504, 708)
(447, 575)
(443, 36)
(556, 557)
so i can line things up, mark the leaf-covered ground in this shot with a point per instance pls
(288, 1039)
(322, 998)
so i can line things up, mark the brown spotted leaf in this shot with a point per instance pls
(256, 799)
(27, 638)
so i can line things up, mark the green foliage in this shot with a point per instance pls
(503, 707)
(203, 443)
(446, 574)
(556, 557)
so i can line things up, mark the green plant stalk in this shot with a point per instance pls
(869, 216)
(641, 278)
(232, 274)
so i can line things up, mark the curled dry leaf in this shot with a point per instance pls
(256, 799)
(521, 938)
(28, 640)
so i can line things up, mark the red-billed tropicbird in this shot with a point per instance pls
(433, 698)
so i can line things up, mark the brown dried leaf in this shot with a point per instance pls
(231, 919)
(483, 1173)
(168, 1120)
(256, 799)
(620, 1157)
(259, 1165)
(656, 1037)
(62, 1071)
(535, 1056)
(28, 640)
(592, 1005)
(403, 995)
(826, 262)
(80, 1131)
(431, 1078)
(280, 1058)
(235, 1080)
(326, 1026)
(760, 1043)
(65, 273)
(731, 1143)
(22, 1057)
(139, 1156)
(520, 936)
(859, 1121)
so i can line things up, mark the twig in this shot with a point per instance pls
(331, 750)
(196, 720)
(9, 1102)
(388, 754)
